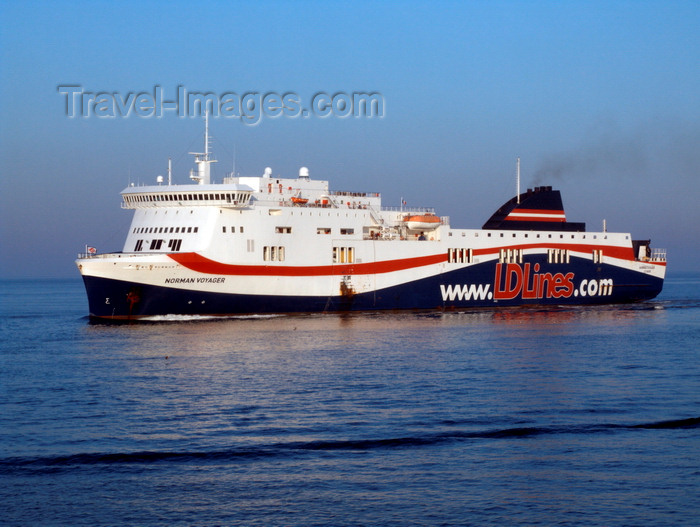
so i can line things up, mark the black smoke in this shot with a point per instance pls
(655, 149)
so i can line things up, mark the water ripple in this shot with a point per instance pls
(9, 465)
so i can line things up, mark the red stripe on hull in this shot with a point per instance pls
(199, 263)
(623, 253)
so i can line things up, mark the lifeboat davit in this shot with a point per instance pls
(422, 222)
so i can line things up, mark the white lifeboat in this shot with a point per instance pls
(422, 222)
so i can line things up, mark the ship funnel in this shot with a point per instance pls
(268, 172)
(303, 173)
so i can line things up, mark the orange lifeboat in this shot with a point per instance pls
(298, 200)
(422, 222)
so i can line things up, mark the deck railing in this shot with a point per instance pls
(409, 210)
(658, 255)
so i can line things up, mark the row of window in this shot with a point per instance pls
(319, 230)
(273, 253)
(164, 230)
(225, 228)
(229, 197)
(156, 245)
(516, 256)
(526, 235)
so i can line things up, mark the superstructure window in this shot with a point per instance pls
(174, 245)
(347, 231)
(460, 255)
(558, 256)
(273, 253)
(510, 256)
(343, 254)
(283, 230)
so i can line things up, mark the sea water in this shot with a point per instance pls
(564, 416)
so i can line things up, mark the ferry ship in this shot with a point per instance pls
(266, 244)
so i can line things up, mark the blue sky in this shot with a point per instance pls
(598, 99)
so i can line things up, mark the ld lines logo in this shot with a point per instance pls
(512, 281)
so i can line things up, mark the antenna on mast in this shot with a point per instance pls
(170, 171)
(202, 159)
(517, 181)
(206, 134)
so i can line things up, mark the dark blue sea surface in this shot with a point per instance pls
(570, 416)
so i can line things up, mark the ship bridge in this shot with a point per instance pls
(226, 195)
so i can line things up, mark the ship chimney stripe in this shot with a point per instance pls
(536, 218)
(536, 215)
(538, 211)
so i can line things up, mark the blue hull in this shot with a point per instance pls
(535, 282)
